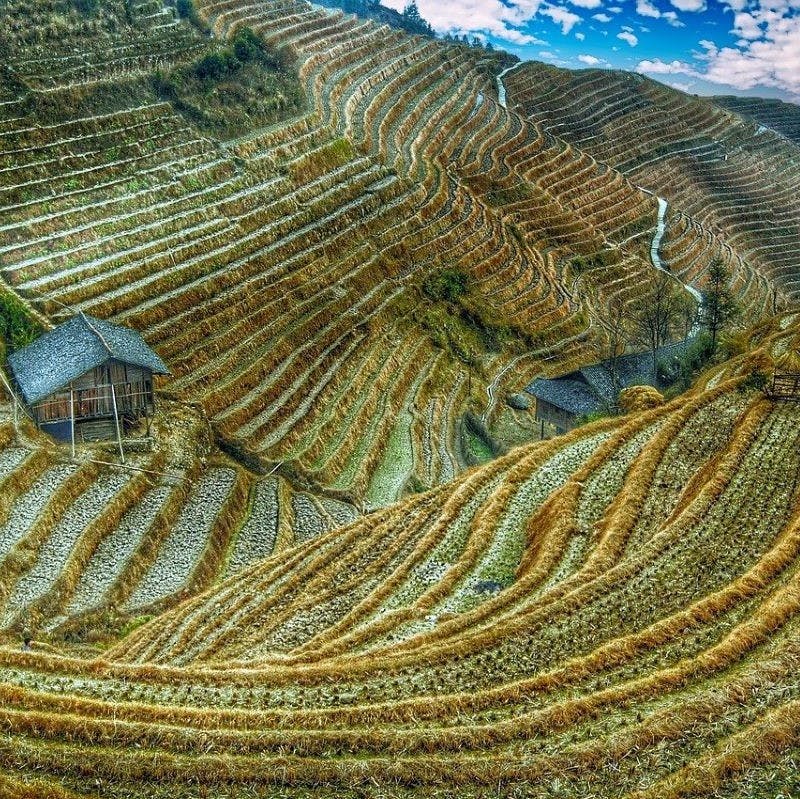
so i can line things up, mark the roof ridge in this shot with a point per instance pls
(96, 332)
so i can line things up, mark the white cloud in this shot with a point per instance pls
(553, 58)
(689, 5)
(672, 18)
(503, 19)
(646, 9)
(580, 36)
(494, 17)
(628, 37)
(589, 60)
(730, 68)
(748, 26)
(615, 9)
(601, 17)
(566, 19)
(659, 67)
(766, 54)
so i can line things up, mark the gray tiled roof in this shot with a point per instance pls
(72, 349)
(572, 396)
(591, 388)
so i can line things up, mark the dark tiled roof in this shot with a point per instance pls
(572, 396)
(590, 388)
(72, 349)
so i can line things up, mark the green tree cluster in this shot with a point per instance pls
(447, 285)
(17, 326)
(245, 47)
(86, 6)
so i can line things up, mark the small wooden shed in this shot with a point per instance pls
(86, 379)
(564, 401)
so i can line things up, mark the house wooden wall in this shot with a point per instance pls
(562, 420)
(133, 387)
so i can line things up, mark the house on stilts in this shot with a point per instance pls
(87, 379)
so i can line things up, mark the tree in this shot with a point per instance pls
(718, 308)
(655, 314)
(609, 350)
(412, 15)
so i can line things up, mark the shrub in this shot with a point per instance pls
(247, 46)
(755, 380)
(215, 66)
(186, 10)
(680, 370)
(17, 325)
(448, 285)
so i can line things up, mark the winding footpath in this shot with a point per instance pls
(501, 87)
(661, 226)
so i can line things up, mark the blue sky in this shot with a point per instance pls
(700, 46)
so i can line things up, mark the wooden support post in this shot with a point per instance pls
(541, 436)
(72, 419)
(116, 422)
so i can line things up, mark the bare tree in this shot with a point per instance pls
(614, 323)
(655, 314)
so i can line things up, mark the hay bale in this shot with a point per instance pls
(639, 398)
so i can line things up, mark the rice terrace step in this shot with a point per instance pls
(383, 414)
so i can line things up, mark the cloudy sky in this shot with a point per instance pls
(699, 46)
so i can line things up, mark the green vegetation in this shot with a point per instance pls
(501, 196)
(458, 319)
(598, 260)
(233, 89)
(679, 372)
(719, 308)
(17, 325)
(449, 285)
(477, 444)
(85, 6)
(186, 10)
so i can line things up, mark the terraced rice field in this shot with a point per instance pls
(278, 273)
(87, 546)
(303, 588)
(630, 587)
(731, 181)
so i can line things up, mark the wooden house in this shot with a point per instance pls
(565, 401)
(87, 379)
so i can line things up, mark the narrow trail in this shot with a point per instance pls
(661, 227)
(501, 87)
(491, 388)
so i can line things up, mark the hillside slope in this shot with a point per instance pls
(341, 241)
(731, 183)
(281, 272)
(782, 117)
(611, 613)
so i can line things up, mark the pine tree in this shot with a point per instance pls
(412, 15)
(719, 307)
